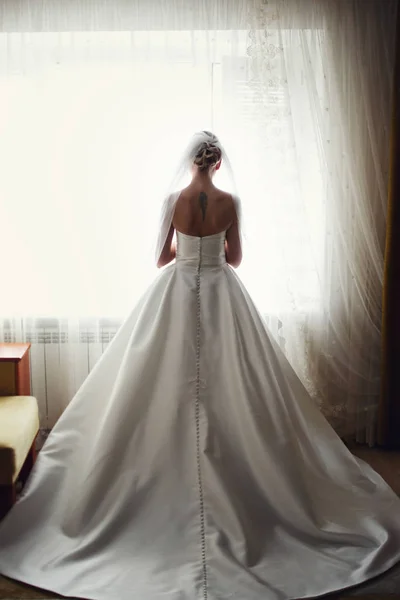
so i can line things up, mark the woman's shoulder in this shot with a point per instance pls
(229, 202)
(219, 199)
(222, 194)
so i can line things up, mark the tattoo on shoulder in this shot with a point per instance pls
(203, 203)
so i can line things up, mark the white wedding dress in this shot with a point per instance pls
(192, 464)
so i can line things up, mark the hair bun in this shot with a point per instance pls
(208, 154)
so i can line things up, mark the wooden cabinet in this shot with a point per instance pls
(15, 370)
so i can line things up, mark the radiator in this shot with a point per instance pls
(61, 358)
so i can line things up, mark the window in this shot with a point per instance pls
(91, 126)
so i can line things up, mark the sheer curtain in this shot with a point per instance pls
(97, 101)
(333, 63)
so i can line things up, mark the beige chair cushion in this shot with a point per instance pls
(19, 424)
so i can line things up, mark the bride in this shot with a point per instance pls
(192, 463)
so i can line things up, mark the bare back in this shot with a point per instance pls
(203, 210)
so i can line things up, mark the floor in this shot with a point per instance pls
(385, 587)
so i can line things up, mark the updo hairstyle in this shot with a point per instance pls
(208, 153)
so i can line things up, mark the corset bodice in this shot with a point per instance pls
(208, 250)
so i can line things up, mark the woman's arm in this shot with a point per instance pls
(233, 247)
(168, 253)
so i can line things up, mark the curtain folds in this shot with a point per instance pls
(338, 75)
